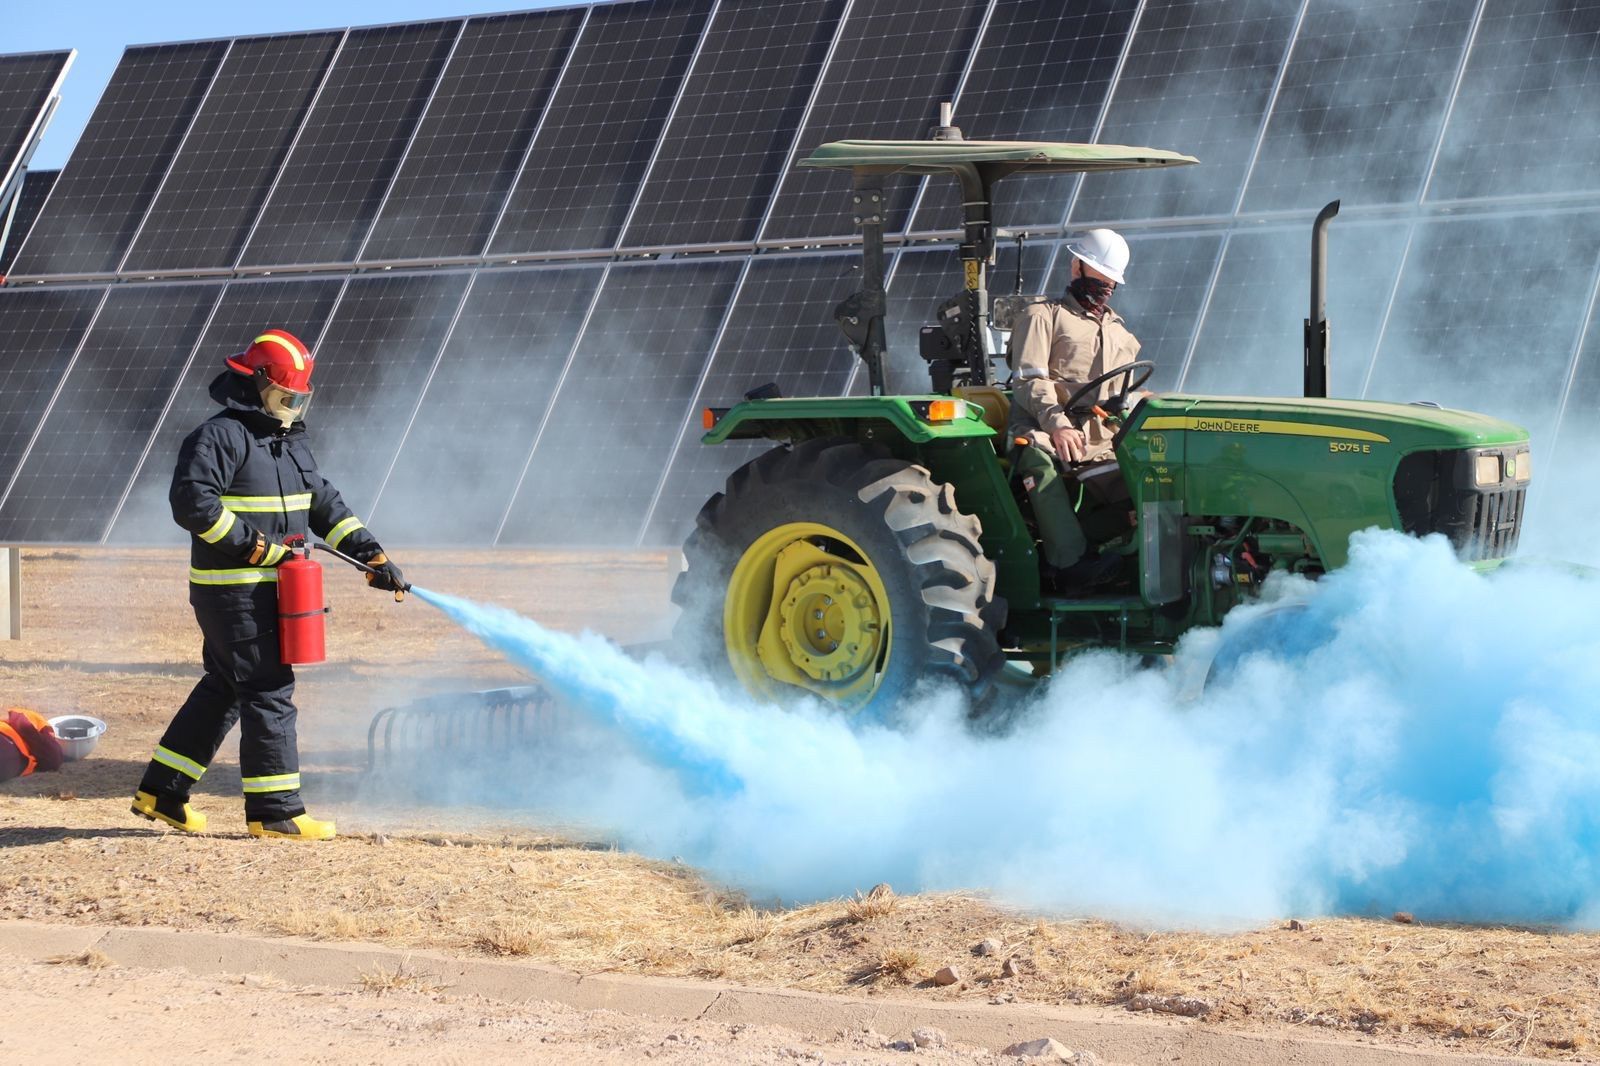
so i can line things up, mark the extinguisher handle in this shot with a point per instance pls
(296, 542)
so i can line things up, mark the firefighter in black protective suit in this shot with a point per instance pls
(246, 481)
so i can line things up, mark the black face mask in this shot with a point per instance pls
(1092, 293)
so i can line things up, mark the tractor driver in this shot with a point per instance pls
(1056, 347)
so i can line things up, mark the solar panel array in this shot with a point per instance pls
(529, 247)
(29, 92)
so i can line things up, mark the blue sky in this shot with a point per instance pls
(100, 31)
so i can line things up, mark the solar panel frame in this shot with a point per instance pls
(634, 401)
(225, 168)
(117, 167)
(30, 198)
(293, 228)
(379, 345)
(1041, 40)
(1238, 87)
(452, 135)
(707, 185)
(1253, 327)
(38, 360)
(1325, 139)
(579, 186)
(1569, 445)
(104, 411)
(788, 297)
(30, 88)
(475, 410)
(1494, 122)
(1449, 321)
(812, 204)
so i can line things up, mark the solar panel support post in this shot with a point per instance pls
(11, 593)
(861, 315)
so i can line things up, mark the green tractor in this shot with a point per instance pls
(883, 541)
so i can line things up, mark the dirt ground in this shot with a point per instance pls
(109, 634)
(127, 1015)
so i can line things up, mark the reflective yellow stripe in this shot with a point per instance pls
(246, 575)
(220, 527)
(188, 767)
(300, 501)
(299, 360)
(337, 534)
(274, 783)
(1243, 425)
(275, 554)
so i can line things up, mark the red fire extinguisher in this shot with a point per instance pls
(300, 607)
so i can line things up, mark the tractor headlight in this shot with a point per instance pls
(1519, 467)
(946, 410)
(1486, 471)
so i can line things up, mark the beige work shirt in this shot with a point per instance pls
(1057, 347)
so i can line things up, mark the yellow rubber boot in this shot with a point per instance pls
(174, 812)
(300, 827)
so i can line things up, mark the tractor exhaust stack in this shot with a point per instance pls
(1316, 379)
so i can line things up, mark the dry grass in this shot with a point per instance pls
(89, 957)
(513, 936)
(880, 902)
(402, 978)
(470, 882)
(901, 964)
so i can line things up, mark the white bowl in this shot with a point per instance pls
(78, 734)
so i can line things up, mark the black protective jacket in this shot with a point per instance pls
(241, 473)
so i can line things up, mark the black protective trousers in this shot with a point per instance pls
(244, 682)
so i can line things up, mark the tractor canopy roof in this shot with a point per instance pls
(1000, 158)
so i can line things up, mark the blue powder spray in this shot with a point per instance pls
(1430, 744)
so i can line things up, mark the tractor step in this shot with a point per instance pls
(1093, 604)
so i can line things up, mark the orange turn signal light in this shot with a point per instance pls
(708, 418)
(946, 410)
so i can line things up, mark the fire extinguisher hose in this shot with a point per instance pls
(357, 563)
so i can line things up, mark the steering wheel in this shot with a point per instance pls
(1143, 367)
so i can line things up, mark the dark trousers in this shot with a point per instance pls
(245, 683)
(1060, 535)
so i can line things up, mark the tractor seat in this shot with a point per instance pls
(994, 403)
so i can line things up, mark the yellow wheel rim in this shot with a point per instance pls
(806, 609)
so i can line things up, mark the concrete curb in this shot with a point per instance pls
(1114, 1035)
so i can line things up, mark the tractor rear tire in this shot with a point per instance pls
(834, 519)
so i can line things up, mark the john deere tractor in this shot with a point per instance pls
(882, 540)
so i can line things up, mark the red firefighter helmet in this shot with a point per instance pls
(281, 367)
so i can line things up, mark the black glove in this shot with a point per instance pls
(388, 577)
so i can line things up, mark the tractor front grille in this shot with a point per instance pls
(1437, 492)
(1495, 525)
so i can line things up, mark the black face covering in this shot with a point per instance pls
(1092, 293)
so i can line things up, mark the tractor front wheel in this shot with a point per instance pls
(832, 568)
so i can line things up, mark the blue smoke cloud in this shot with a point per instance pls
(1405, 734)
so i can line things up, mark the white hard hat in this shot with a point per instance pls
(1103, 249)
